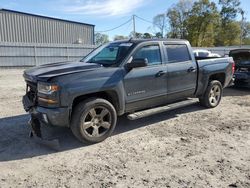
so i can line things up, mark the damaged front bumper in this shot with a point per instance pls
(41, 115)
(36, 134)
(49, 116)
(54, 117)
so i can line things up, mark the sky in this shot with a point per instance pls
(104, 14)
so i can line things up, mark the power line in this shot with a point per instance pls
(129, 27)
(132, 19)
(115, 27)
(143, 19)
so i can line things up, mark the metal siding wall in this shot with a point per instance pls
(16, 27)
(19, 54)
(1, 24)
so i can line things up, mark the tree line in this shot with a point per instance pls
(203, 22)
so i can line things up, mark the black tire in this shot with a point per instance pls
(93, 120)
(212, 95)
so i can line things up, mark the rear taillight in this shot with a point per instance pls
(233, 67)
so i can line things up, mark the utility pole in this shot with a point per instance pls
(241, 28)
(134, 32)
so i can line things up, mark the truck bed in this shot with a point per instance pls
(213, 60)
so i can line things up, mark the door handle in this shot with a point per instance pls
(160, 73)
(191, 69)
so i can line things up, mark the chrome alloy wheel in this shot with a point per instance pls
(96, 122)
(215, 95)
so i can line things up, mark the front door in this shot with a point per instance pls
(146, 86)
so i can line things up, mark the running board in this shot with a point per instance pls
(149, 112)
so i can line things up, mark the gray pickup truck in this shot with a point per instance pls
(133, 77)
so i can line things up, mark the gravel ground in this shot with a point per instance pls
(188, 147)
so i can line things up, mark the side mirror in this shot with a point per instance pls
(136, 63)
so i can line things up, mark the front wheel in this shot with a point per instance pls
(93, 120)
(213, 94)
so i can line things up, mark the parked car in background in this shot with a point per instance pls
(242, 66)
(204, 54)
(134, 77)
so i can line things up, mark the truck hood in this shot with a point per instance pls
(48, 71)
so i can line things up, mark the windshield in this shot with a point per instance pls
(108, 54)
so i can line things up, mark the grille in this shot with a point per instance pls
(31, 91)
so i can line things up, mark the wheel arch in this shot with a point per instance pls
(109, 95)
(207, 78)
(221, 77)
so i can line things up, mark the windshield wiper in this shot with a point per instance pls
(105, 62)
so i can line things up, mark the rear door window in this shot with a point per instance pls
(177, 53)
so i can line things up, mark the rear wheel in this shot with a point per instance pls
(213, 94)
(93, 120)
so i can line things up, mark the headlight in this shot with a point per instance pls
(46, 88)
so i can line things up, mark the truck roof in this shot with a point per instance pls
(137, 41)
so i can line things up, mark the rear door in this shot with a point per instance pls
(146, 86)
(182, 71)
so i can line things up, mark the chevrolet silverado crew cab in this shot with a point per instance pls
(133, 77)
